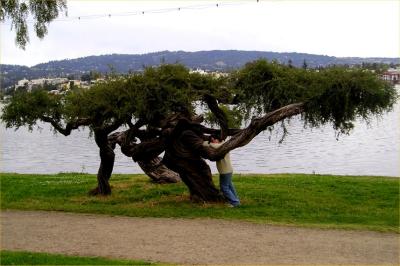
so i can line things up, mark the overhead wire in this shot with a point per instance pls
(148, 11)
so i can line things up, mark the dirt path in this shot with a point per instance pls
(192, 241)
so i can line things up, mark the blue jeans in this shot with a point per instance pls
(227, 188)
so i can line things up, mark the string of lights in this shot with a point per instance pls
(150, 11)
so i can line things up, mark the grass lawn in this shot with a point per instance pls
(30, 258)
(352, 202)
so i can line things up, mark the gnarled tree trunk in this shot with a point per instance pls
(183, 154)
(158, 172)
(145, 155)
(107, 158)
(185, 151)
(197, 178)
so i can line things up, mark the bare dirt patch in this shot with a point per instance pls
(192, 241)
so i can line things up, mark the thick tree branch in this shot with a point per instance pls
(128, 135)
(146, 150)
(256, 126)
(139, 123)
(219, 114)
(158, 172)
(68, 127)
(112, 126)
(152, 147)
(142, 153)
(212, 131)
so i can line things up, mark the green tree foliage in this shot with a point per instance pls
(156, 93)
(42, 12)
(335, 95)
(378, 68)
(161, 91)
(27, 108)
(92, 75)
(233, 114)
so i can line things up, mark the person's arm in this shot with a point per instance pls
(215, 145)
(196, 144)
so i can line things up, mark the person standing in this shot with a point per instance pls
(225, 171)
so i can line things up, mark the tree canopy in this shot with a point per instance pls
(42, 12)
(160, 106)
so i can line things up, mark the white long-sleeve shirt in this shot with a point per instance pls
(224, 166)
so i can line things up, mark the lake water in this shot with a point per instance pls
(369, 150)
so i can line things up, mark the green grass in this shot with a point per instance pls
(325, 201)
(30, 258)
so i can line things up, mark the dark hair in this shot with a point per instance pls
(215, 137)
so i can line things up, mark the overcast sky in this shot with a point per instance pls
(338, 28)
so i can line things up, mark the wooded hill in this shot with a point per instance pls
(217, 60)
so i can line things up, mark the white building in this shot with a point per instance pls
(22, 82)
(392, 75)
(199, 71)
(59, 82)
(56, 81)
(214, 74)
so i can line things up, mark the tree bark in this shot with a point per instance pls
(219, 114)
(198, 181)
(185, 151)
(182, 155)
(66, 130)
(257, 125)
(158, 172)
(146, 155)
(107, 158)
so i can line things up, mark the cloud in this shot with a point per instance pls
(338, 28)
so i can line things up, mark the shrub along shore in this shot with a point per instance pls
(324, 201)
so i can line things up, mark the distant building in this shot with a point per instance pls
(38, 82)
(214, 74)
(54, 92)
(54, 85)
(56, 81)
(22, 82)
(59, 83)
(94, 81)
(199, 71)
(392, 75)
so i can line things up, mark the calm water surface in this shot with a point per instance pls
(369, 150)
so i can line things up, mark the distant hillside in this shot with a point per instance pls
(207, 60)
